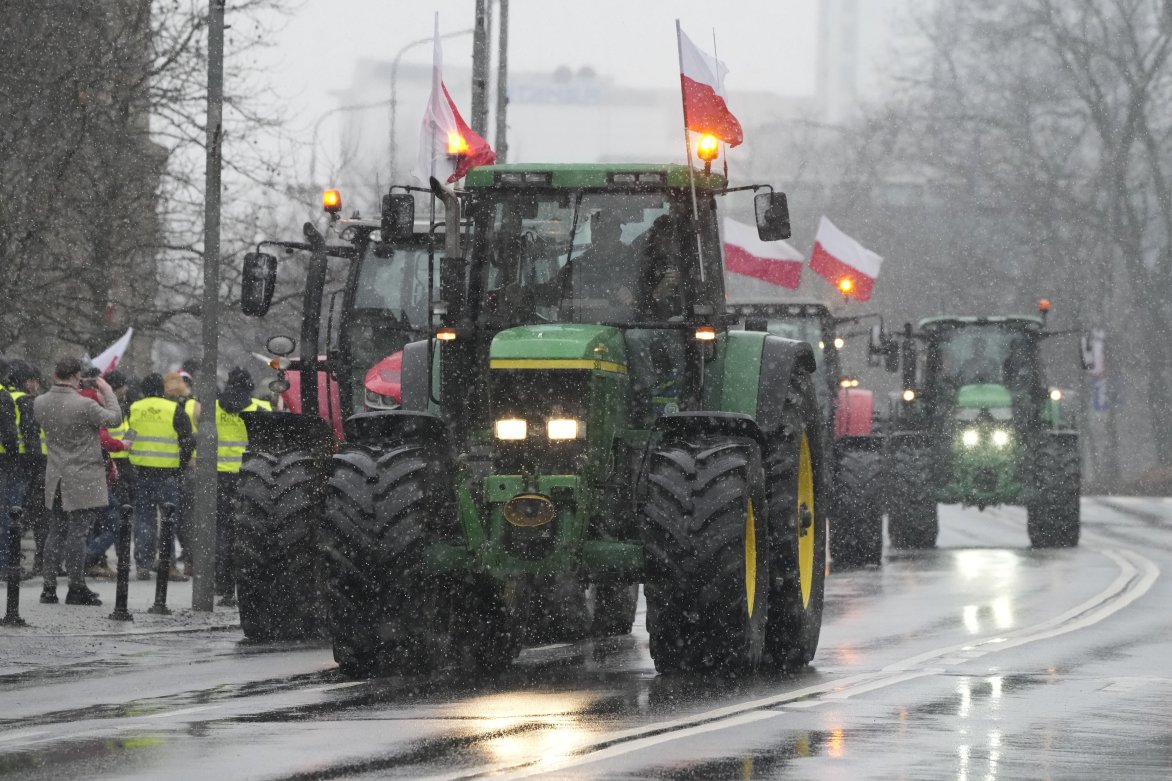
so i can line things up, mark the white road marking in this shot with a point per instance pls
(1136, 575)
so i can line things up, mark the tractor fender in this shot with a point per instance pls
(279, 432)
(680, 425)
(396, 425)
(780, 358)
(415, 377)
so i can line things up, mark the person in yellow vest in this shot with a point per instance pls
(9, 448)
(232, 438)
(161, 444)
(28, 462)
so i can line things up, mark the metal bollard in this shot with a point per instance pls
(12, 615)
(120, 612)
(161, 577)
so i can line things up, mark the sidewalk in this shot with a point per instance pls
(62, 620)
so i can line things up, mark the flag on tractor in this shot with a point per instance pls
(847, 264)
(448, 148)
(775, 262)
(705, 102)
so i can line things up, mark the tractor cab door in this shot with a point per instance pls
(386, 307)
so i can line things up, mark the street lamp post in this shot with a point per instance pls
(394, 86)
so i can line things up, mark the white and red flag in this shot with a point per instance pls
(705, 103)
(448, 148)
(846, 263)
(775, 262)
(107, 360)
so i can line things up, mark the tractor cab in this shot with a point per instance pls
(978, 426)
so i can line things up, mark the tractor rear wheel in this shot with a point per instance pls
(382, 501)
(856, 532)
(707, 554)
(797, 527)
(1053, 518)
(911, 510)
(278, 504)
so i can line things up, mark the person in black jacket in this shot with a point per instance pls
(9, 447)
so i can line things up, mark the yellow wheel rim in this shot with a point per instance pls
(806, 533)
(750, 557)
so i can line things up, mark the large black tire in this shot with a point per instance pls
(278, 507)
(614, 608)
(911, 509)
(1053, 519)
(383, 502)
(485, 630)
(856, 529)
(798, 498)
(706, 555)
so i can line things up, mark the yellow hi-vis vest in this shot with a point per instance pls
(24, 446)
(119, 433)
(155, 443)
(232, 436)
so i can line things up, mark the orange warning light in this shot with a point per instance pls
(708, 147)
(456, 144)
(331, 201)
(1044, 305)
(846, 285)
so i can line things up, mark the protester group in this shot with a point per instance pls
(76, 449)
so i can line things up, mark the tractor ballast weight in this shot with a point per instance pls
(977, 425)
(571, 431)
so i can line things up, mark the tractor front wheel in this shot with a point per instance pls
(707, 554)
(1053, 517)
(383, 605)
(278, 503)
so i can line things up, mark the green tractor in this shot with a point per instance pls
(582, 421)
(977, 425)
(853, 447)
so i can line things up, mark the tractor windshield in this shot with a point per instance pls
(983, 354)
(584, 256)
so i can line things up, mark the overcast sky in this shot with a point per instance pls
(767, 44)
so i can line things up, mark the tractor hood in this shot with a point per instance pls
(987, 396)
(559, 346)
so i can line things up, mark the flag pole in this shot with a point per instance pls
(688, 151)
(723, 146)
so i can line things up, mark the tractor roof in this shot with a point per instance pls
(775, 308)
(575, 175)
(1032, 322)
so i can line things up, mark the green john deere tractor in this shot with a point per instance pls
(977, 425)
(582, 421)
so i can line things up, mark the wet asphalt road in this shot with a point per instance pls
(979, 660)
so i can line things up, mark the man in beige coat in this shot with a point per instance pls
(75, 474)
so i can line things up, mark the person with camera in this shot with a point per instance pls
(75, 474)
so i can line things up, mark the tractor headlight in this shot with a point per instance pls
(970, 437)
(511, 429)
(1000, 437)
(563, 428)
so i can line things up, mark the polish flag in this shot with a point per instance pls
(705, 102)
(108, 360)
(448, 148)
(850, 266)
(775, 262)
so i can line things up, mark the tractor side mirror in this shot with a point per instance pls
(398, 216)
(260, 279)
(452, 246)
(772, 211)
